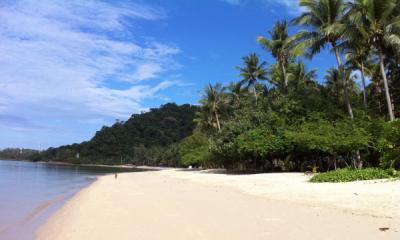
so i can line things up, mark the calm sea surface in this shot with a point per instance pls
(30, 192)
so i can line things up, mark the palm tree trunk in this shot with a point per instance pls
(386, 85)
(255, 93)
(285, 77)
(363, 83)
(217, 119)
(344, 80)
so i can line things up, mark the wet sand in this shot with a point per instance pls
(173, 204)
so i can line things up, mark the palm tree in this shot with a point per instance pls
(357, 59)
(213, 101)
(334, 84)
(358, 53)
(325, 21)
(380, 21)
(300, 77)
(234, 91)
(252, 71)
(279, 45)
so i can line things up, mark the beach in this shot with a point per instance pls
(179, 204)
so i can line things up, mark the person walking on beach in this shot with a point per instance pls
(116, 175)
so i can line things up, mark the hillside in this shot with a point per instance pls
(146, 138)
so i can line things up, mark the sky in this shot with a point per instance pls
(69, 67)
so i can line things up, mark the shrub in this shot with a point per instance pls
(389, 145)
(194, 150)
(260, 143)
(349, 175)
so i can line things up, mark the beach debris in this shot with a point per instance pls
(384, 229)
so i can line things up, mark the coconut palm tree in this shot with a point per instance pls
(213, 101)
(335, 85)
(235, 91)
(332, 83)
(324, 20)
(380, 21)
(358, 53)
(357, 59)
(299, 76)
(279, 46)
(252, 71)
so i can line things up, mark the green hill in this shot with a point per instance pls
(147, 138)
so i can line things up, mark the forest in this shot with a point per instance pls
(280, 116)
(149, 138)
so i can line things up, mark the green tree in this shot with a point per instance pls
(253, 71)
(279, 45)
(324, 19)
(213, 101)
(194, 150)
(380, 21)
(357, 54)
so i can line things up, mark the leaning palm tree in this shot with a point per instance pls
(380, 21)
(279, 46)
(324, 19)
(213, 101)
(252, 71)
(357, 59)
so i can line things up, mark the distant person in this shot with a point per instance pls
(116, 175)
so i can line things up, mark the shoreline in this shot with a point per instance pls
(134, 203)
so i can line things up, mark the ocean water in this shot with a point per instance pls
(31, 192)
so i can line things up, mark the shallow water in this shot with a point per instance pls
(30, 192)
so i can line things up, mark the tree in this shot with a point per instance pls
(253, 71)
(194, 149)
(334, 85)
(357, 54)
(235, 92)
(380, 21)
(325, 20)
(279, 45)
(300, 77)
(213, 101)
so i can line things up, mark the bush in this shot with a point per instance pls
(349, 175)
(194, 150)
(389, 145)
(260, 143)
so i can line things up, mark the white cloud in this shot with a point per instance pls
(292, 6)
(233, 2)
(64, 60)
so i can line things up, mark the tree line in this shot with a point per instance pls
(17, 153)
(149, 138)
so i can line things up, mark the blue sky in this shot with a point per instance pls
(69, 67)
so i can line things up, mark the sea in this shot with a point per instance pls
(30, 192)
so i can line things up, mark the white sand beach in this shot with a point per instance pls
(176, 204)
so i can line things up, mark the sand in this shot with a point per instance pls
(192, 205)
